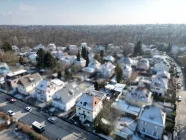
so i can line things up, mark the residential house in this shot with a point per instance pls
(81, 63)
(99, 48)
(15, 49)
(109, 58)
(73, 49)
(151, 122)
(67, 61)
(27, 84)
(143, 64)
(163, 74)
(126, 60)
(88, 107)
(46, 89)
(93, 66)
(51, 47)
(99, 94)
(159, 85)
(107, 69)
(4, 68)
(139, 96)
(36, 48)
(163, 65)
(13, 77)
(66, 97)
(127, 71)
(32, 57)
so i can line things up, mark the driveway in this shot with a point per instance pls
(61, 129)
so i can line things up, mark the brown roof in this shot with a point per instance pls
(95, 102)
(29, 79)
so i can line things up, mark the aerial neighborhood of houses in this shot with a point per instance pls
(98, 88)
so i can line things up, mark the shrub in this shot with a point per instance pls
(28, 130)
(169, 127)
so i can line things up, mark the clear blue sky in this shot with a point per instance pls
(91, 12)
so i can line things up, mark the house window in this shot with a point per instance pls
(154, 134)
(79, 108)
(83, 111)
(144, 123)
(88, 112)
(143, 130)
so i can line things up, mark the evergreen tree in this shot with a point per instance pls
(96, 86)
(119, 73)
(73, 69)
(84, 52)
(59, 75)
(6, 47)
(50, 61)
(101, 55)
(78, 56)
(87, 61)
(40, 58)
(169, 48)
(138, 49)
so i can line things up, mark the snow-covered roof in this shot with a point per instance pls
(153, 115)
(88, 69)
(109, 58)
(16, 72)
(163, 74)
(88, 102)
(124, 107)
(108, 66)
(57, 82)
(69, 92)
(125, 126)
(159, 82)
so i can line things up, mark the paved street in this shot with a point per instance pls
(61, 129)
(181, 112)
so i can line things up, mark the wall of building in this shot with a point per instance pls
(150, 129)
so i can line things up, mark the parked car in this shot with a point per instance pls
(179, 98)
(12, 101)
(29, 109)
(8, 98)
(10, 113)
(178, 85)
(52, 119)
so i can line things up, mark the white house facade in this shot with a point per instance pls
(151, 122)
(66, 97)
(46, 89)
(28, 83)
(88, 107)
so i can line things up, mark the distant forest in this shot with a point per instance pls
(65, 35)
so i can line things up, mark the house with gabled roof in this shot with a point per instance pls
(159, 85)
(151, 122)
(107, 69)
(163, 65)
(27, 84)
(46, 89)
(88, 107)
(66, 97)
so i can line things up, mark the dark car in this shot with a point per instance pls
(12, 101)
(8, 98)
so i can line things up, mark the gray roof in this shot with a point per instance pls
(69, 92)
(154, 115)
(27, 80)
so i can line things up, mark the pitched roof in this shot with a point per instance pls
(88, 102)
(154, 115)
(69, 92)
(29, 79)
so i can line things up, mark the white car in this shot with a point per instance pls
(179, 98)
(28, 108)
(52, 119)
(10, 113)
